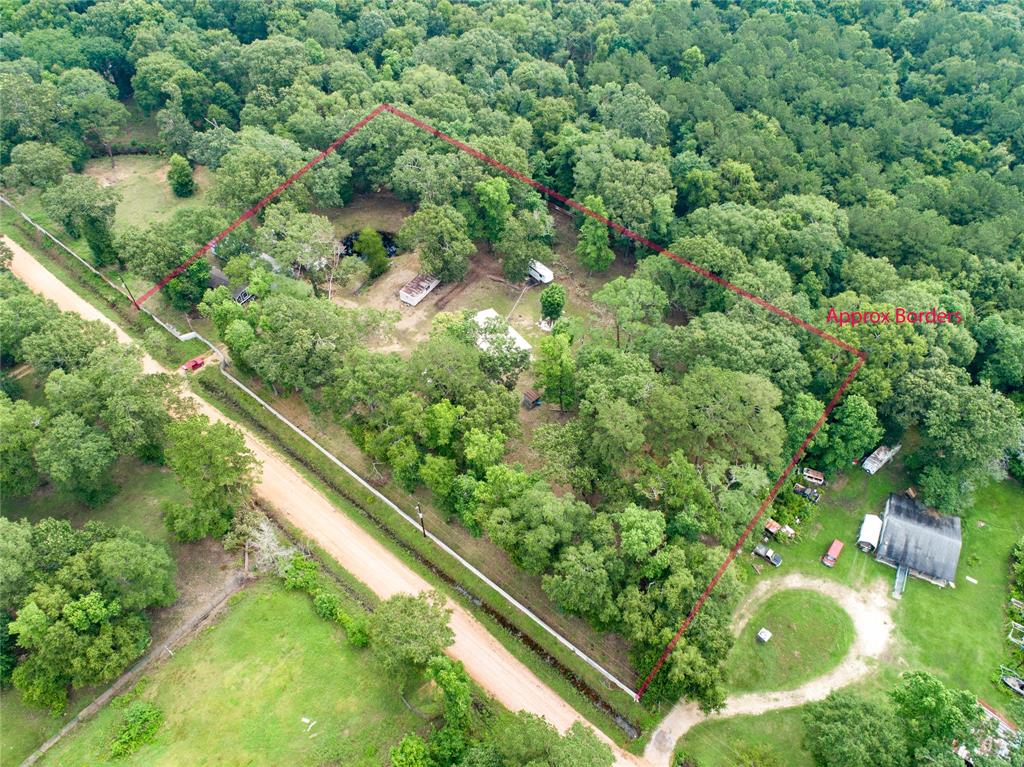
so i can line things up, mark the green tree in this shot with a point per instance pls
(556, 370)
(552, 301)
(495, 208)
(179, 176)
(217, 471)
(407, 631)
(21, 427)
(632, 303)
(370, 246)
(931, 713)
(592, 248)
(77, 457)
(854, 432)
(84, 209)
(845, 730)
(411, 752)
(439, 231)
(522, 242)
(36, 164)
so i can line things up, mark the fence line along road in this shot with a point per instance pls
(223, 363)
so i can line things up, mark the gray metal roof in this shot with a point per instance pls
(919, 538)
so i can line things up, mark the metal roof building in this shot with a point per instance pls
(922, 540)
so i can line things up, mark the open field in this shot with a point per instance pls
(238, 693)
(146, 197)
(810, 635)
(719, 742)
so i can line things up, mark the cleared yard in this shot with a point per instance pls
(145, 194)
(810, 635)
(238, 694)
(721, 742)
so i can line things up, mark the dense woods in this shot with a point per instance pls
(822, 155)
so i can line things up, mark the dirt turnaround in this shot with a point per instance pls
(492, 666)
(872, 623)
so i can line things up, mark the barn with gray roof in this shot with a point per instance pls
(920, 539)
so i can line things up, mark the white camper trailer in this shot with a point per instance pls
(540, 273)
(870, 532)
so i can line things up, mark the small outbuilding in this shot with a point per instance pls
(927, 544)
(870, 532)
(416, 289)
(775, 529)
(531, 399)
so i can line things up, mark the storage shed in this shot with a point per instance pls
(919, 539)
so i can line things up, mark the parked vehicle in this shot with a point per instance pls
(193, 364)
(809, 493)
(814, 476)
(832, 555)
(765, 553)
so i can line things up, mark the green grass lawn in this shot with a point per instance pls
(720, 742)
(238, 693)
(23, 728)
(142, 490)
(810, 635)
(146, 197)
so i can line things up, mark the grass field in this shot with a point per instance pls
(720, 742)
(810, 635)
(142, 490)
(238, 693)
(146, 197)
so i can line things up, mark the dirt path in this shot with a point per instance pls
(486, 660)
(872, 623)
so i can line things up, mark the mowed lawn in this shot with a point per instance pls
(810, 635)
(146, 197)
(721, 742)
(238, 693)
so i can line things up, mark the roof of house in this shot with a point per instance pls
(919, 538)
(483, 317)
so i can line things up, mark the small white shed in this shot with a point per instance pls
(870, 532)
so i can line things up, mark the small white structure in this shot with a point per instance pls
(882, 455)
(764, 635)
(416, 289)
(540, 273)
(485, 316)
(870, 532)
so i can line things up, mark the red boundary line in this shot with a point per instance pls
(860, 355)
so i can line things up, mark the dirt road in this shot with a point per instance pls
(490, 664)
(872, 623)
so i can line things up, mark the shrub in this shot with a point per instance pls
(358, 630)
(552, 301)
(301, 573)
(141, 721)
(328, 606)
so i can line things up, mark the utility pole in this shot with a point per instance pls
(128, 291)
(423, 527)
